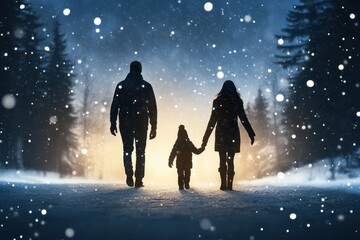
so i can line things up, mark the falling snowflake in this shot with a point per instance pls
(310, 83)
(66, 12)
(280, 97)
(97, 21)
(208, 6)
(292, 216)
(8, 101)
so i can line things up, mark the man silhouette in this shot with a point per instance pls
(134, 102)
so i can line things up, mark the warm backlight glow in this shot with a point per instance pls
(105, 159)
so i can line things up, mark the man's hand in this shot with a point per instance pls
(170, 164)
(113, 129)
(252, 139)
(152, 133)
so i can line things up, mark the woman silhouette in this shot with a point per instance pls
(227, 107)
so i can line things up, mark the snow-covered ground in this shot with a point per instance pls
(299, 204)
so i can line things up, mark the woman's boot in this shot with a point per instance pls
(230, 180)
(222, 178)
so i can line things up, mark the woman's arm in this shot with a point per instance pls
(211, 125)
(245, 122)
(195, 150)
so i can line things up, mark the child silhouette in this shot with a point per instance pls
(182, 150)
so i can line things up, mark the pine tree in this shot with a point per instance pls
(61, 115)
(346, 33)
(11, 33)
(317, 119)
(30, 112)
(263, 148)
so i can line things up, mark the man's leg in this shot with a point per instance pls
(140, 143)
(127, 136)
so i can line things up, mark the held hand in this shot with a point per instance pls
(202, 149)
(203, 145)
(152, 134)
(113, 129)
(252, 138)
(170, 164)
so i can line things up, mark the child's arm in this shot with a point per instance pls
(196, 150)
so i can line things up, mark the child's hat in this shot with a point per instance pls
(182, 132)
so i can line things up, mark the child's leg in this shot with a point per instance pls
(180, 178)
(187, 178)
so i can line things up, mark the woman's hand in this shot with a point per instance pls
(252, 139)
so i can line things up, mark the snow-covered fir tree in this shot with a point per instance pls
(11, 32)
(62, 140)
(319, 124)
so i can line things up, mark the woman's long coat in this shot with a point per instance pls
(224, 115)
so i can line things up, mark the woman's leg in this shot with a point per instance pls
(223, 169)
(230, 170)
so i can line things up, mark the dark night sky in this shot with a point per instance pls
(181, 45)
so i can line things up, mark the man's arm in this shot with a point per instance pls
(114, 110)
(152, 108)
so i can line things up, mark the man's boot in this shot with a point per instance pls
(129, 180)
(222, 178)
(129, 177)
(139, 183)
(230, 180)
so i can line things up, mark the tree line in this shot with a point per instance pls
(319, 49)
(37, 115)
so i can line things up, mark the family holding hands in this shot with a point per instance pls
(135, 105)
